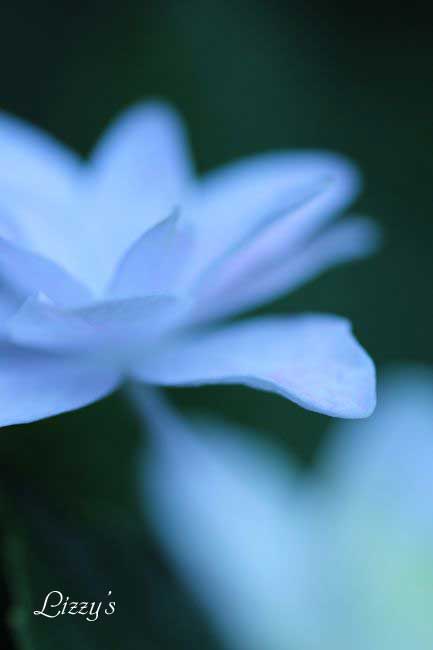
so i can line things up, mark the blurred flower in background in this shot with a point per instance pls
(340, 558)
(107, 264)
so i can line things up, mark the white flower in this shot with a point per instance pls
(111, 269)
(342, 559)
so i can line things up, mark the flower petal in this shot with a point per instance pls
(32, 162)
(140, 171)
(145, 151)
(232, 203)
(154, 263)
(313, 360)
(263, 269)
(235, 521)
(111, 330)
(36, 385)
(39, 179)
(26, 273)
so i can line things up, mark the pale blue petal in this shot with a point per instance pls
(154, 264)
(313, 360)
(36, 385)
(231, 203)
(266, 266)
(39, 181)
(9, 227)
(51, 229)
(10, 302)
(25, 273)
(236, 526)
(140, 171)
(112, 330)
(146, 151)
(33, 163)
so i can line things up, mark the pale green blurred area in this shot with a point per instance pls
(334, 558)
(247, 76)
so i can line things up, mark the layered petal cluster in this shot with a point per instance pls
(342, 559)
(123, 266)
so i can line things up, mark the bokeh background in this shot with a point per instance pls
(248, 76)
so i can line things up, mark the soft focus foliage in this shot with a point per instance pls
(343, 558)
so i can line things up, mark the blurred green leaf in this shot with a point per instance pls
(73, 523)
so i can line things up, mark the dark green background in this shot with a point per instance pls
(247, 76)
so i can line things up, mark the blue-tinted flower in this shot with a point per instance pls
(339, 559)
(111, 269)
